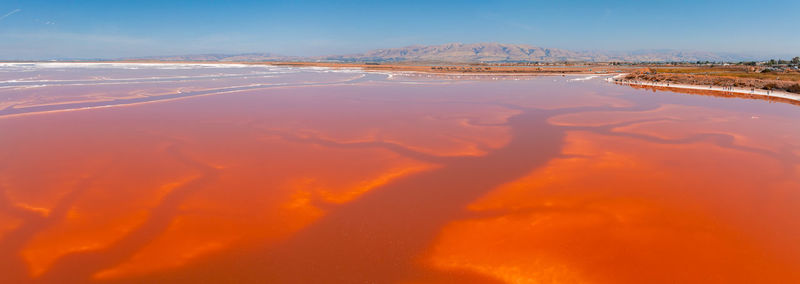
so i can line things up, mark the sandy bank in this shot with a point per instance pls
(620, 79)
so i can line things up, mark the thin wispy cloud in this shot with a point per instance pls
(9, 14)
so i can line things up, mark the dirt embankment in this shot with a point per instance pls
(467, 68)
(428, 67)
(717, 93)
(714, 80)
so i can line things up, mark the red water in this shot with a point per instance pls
(410, 181)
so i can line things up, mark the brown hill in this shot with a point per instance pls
(476, 52)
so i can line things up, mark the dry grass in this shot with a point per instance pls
(734, 71)
(734, 78)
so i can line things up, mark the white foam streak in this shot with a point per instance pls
(584, 78)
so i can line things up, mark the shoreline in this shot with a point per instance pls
(729, 90)
(12, 111)
(500, 71)
(450, 69)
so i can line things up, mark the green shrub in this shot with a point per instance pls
(794, 89)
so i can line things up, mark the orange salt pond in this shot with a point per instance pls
(249, 174)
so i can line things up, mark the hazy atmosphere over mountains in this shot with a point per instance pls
(481, 52)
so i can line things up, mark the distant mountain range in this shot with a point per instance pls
(479, 52)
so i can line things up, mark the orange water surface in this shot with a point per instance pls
(244, 175)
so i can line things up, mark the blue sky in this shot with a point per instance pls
(107, 29)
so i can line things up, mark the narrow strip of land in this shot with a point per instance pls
(621, 79)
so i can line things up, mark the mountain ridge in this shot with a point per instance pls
(479, 52)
